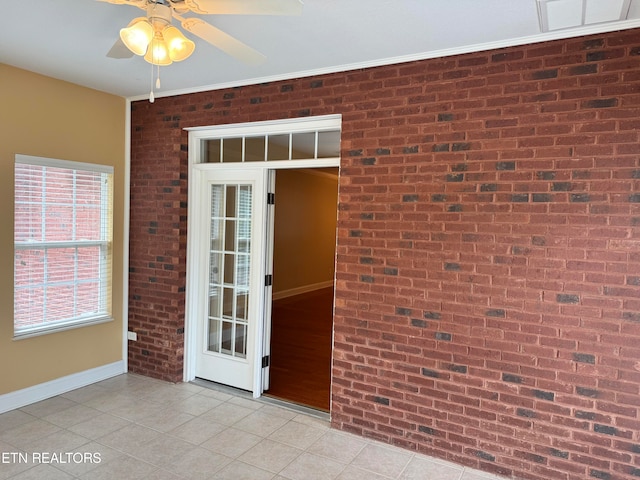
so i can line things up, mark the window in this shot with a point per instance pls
(62, 244)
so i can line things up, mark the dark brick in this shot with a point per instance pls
(600, 103)
(508, 377)
(383, 151)
(596, 56)
(316, 84)
(255, 100)
(506, 56)
(366, 260)
(452, 266)
(558, 453)
(489, 187)
(355, 233)
(496, 312)
(286, 88)
(455, 207)
(520, 197)
(390, 271)
(443, 336)
(369, 161)
(455, 177)
(543, 74)
(410, 198)
(525, 412)
(635, 281)
(381, 400)
(584, 358)
(538, 241)
(416, 322)
(458, 368)
(355, 153)
(587, 392)
(403, 311)
(634, 198)
(430, 373)
(567, 298)
(506, 166)
(546, 175)
(427, 430)
(413, 149)
(544, 395)
(438, 197)
(541, 197)
(441, 147)
(432, 315)
(366, 279)
(366, 216)
(457, 147)
(580, 198)
(485, 456)
(561, 186)
(599, 474)
(606, 429)
(445, 117)
(583, 69)
(593, 43)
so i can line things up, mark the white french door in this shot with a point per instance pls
(231, 220)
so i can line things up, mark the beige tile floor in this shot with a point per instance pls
(133, 427)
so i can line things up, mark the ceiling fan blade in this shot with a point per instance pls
(245, 7)
(119, 50)
(137, 3)
(223, 41)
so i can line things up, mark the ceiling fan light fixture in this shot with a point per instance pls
(179, 46)
(158, 52)
(137, 35)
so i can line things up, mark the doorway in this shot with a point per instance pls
(230, 281)
(303, 272)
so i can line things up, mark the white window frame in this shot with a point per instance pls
(105, 244)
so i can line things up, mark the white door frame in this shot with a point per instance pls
(196, 137)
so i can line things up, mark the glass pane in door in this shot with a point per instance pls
(229, 269)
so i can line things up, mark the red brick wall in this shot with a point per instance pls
(488, 280)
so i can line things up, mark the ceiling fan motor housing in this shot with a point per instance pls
(159, 12)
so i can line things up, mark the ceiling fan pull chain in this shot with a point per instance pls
(152, 97)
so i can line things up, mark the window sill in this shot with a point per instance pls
(47, 329)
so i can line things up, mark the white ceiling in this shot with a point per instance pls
(69, 39)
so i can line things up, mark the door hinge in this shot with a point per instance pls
(265, 361)
(271, 198)
(268, 280)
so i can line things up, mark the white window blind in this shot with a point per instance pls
(63, 244)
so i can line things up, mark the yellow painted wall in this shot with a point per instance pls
(305, 228)
(44, 117)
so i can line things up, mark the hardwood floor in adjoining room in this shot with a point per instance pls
(301, 348)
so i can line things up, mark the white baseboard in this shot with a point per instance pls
(42, 391)
(300, 290)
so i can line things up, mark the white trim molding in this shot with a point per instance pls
(27, 396)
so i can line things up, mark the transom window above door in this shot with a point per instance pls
(308, 145)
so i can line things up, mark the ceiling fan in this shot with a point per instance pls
(148, 36)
